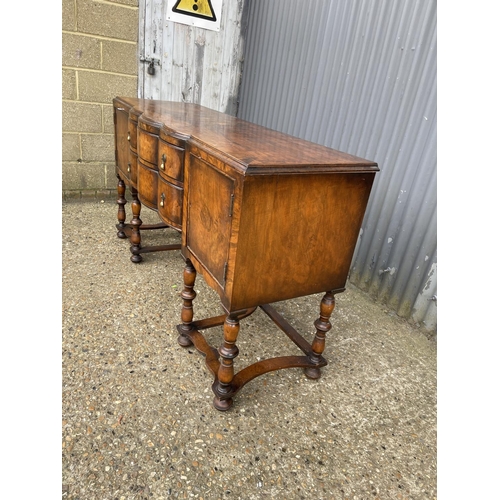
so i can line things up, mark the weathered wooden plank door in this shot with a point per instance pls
(191, 64)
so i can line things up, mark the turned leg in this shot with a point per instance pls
(322, 325)
(225, 375)
(188, 295)
(121, 201)
(136, 222)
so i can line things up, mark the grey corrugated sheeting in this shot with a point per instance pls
(360, 76)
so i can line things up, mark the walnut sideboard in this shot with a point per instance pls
(264, 217)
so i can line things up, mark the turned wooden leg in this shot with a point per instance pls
(228, 352)
(121, 201)
(136, 222)
(188, 295)
(322, 325)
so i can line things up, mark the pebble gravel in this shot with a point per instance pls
(137, 414)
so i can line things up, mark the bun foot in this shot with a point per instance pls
(121, 235)
(136, 258)
(313, 373)
(222, 404)
(184, 341)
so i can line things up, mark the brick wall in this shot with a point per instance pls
(99, 61)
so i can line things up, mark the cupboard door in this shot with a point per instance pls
(122, 145)
(208, 226)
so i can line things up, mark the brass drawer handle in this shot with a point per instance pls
(163, 160)
(128, 136)
(128, 168)
(162, 202)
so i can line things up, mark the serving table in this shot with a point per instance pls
(264, 217)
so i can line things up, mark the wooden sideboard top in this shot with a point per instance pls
(255, 148)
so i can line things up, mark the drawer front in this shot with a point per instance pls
(148, 147)
(170, 203)
(133, 167)
(132, 134)
(147, 185)
(171, 161)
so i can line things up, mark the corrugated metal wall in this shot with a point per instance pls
(360, 76)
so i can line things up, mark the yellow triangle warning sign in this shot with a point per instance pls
(196, 8)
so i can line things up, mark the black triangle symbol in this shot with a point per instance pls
(189, 8)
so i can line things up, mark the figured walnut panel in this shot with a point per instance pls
(147, 185)
(297, 235)
(170, 203)
(209, 220)
(148, 146)
(172, 159)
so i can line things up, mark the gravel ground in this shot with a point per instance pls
(137, 414)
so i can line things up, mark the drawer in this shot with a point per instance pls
(170, 203)
(147, 185)
(148, 147)
(171, 161)
(133, 167)
(132, 134)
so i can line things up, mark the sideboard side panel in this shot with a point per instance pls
(297, 235)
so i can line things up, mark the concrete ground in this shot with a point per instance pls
(138, 421)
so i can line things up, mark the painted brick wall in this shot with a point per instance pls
(99, 61)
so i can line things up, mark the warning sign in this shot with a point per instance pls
(201, 13)
(196, 8)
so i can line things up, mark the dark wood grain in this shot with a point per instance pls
(264, 217)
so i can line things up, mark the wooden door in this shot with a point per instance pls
(191, 64)
(122, 145)
(210, 196)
